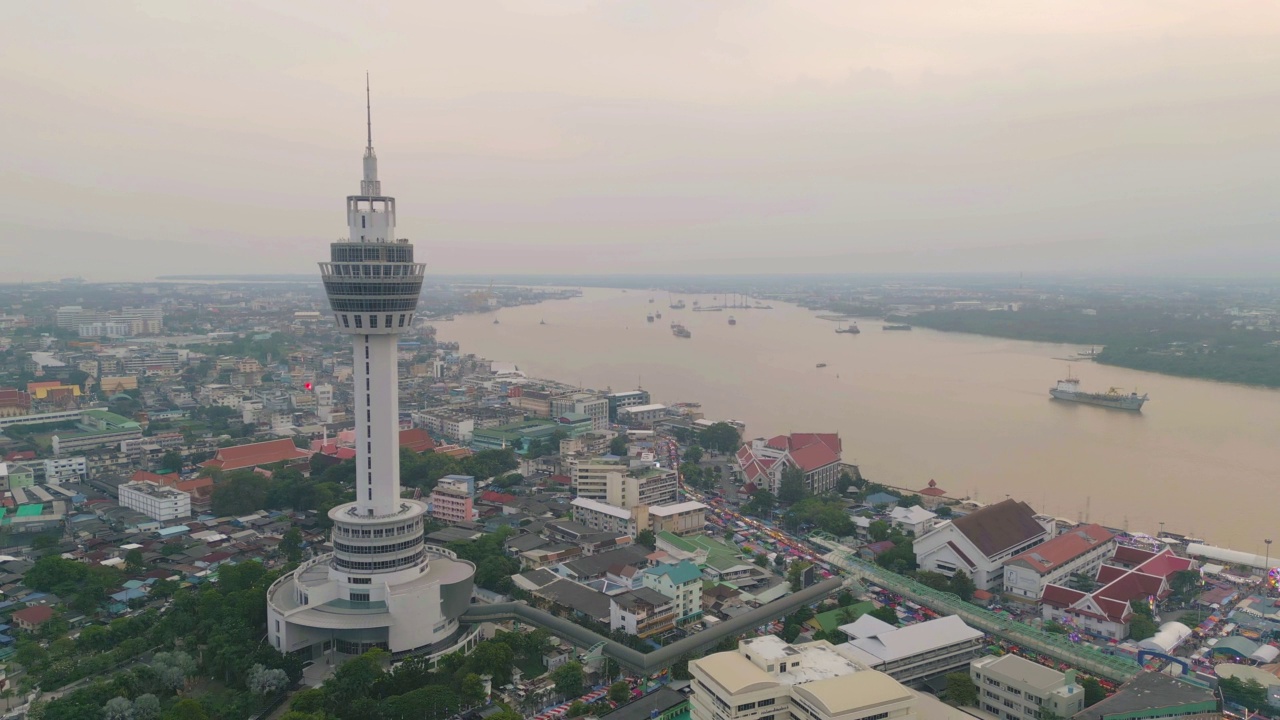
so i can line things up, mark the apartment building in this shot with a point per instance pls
(609, 518)
(155, 501)
(766, 678)
(62, 469)
(1014, 688)
(451, 501)
(642, 612)
(641, 415)
(686, 518)
(626, 399)
(682, 583)
(583, 403)
(1078, 551)
(618, 483)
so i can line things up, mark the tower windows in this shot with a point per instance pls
(358, 323)
(373, 321)
(388, 323)
(345, 322)
(401, 319)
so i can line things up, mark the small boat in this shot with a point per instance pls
(649, 318)
(651, 300)
(495, 321)
(732, 321)
(542, 322)
(658, 314)
(680, 331)
(822, 365)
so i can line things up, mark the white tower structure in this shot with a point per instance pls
(382, 586)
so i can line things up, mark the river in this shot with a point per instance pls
(971, 412)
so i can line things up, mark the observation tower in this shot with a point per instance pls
(382, 586)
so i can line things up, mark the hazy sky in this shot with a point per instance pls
(159, 137)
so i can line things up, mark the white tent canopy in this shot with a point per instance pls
(1170, 636)
(1235, 557)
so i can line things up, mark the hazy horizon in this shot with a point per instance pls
(578, 137)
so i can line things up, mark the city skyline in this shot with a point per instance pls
(591, 137)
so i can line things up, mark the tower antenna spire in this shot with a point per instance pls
(368, 108)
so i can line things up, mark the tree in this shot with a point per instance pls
(845, 598)
(239, 493)
(844, 482)
(173, 668)
(962, 585)
(133, 563)
(943, 511)
(472, 689)
(619, 692)
(1143, 608)
(264, 682)
(761, 560)
(618, 445)
(118, 708)
(961, 690)
(186, 709)
(878, 530)
(1093, 691)
(935, 580)
(1142, 627)
(291, 544)
(680, 669)
(576, 709)
(568, 679)
(1184, 584)
(720, 437)
(146, 707)
(647, 539)
(761, 504)
(791, 489)
(693, 454)
(171, 461)
(885, 613)
(795, 574)
(1249, 693)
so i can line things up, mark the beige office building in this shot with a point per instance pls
(769, 679)
(1014, 688)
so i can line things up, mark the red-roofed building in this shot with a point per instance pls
(454, 451)
(14, 402)
(417, 440)
(31, 618)
(492, 497)
(1106, 612)
(255, 454)
(762, 462)
(1080, 551)
(932, 496)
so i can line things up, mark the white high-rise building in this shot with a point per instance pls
(382, 586)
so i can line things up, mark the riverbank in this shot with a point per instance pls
(970, 411)
(1197, 348)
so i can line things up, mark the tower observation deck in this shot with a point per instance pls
(382, 586)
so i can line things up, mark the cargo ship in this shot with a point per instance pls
(851, 330)
(1069, 390)
(680, 331)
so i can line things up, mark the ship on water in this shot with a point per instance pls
(680, 331)
(851, 330)
(897, 327)
(732, 321)
(649, 318)
(1069, 390)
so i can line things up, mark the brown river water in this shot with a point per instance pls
(971, 412)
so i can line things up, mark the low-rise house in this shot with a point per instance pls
(913, 520)
(31, 618)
